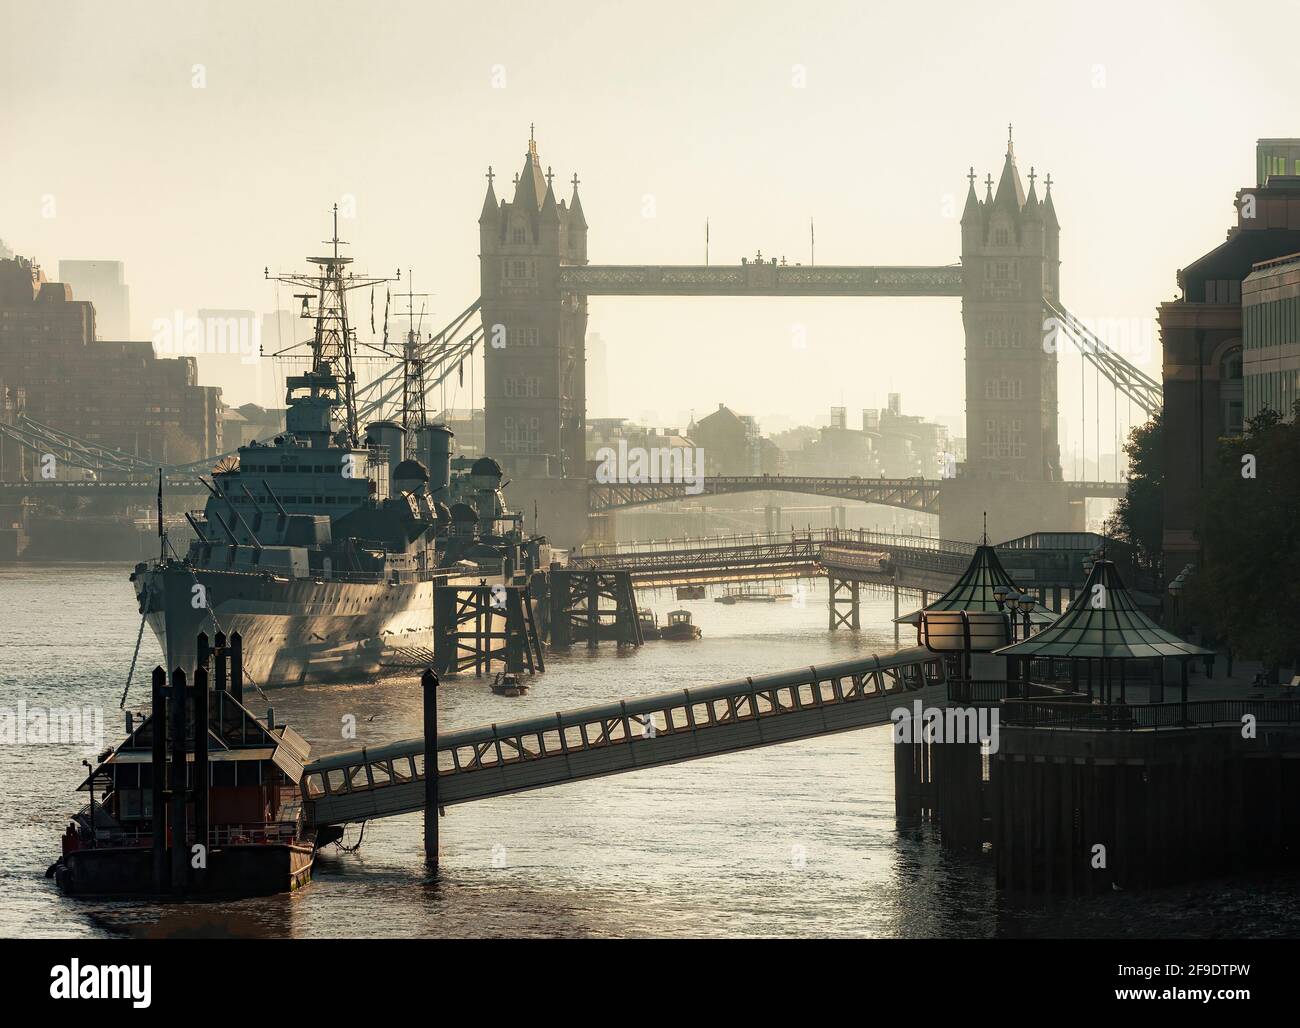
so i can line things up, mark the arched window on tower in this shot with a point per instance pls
(1230, 365)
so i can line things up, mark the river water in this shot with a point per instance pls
(791, 840)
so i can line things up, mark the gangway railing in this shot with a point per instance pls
(629, 735)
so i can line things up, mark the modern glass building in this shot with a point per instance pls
(1276, 157)
(1270, 355)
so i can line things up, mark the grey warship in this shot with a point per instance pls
(323, 546)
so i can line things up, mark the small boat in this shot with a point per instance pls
(507, 683)
(690, 592)
(746, 596)
(649, 625)
(679, 627)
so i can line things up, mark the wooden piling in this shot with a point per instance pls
(201, 718)
(179, 834)
(237, 667)
(222, 654)
(429, 689)
(158, 768)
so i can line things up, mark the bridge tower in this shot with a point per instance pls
(1010, 261)
(534, 354)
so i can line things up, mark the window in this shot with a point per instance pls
(522, 386)
(1002, 237)
(1230, 365)
(519, 234)
(1003, 388)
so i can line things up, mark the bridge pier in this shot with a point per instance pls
(466, 619)
(577, 611)
(844, 592)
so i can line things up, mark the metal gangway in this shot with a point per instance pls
(630, 735)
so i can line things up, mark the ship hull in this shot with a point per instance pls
(293, 630)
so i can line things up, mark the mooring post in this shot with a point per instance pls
(201, 770)
(237, 666)
(429, 687)
(223, 664)
(158, 767)
(177, 819)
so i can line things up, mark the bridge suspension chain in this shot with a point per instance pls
(1130, 380)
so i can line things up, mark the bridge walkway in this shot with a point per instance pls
(592, 742)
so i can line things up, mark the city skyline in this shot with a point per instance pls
(794, 133)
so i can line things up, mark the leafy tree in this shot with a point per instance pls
(1139, 516)
(1247, 589)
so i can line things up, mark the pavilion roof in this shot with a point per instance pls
(1104, 621)
(974, 590)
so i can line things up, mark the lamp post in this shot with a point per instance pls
(1175, 590)
(1026, 605)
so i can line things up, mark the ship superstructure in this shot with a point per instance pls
(322, 547)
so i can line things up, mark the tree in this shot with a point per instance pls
(1140, 514)
(1247, 589)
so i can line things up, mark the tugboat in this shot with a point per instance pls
(323, 548)
(679, 627)
(507, 683)
(649, 625)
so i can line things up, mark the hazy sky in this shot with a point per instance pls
(1145, 114)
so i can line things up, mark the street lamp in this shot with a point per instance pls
(1026, 605)
(1000, 594)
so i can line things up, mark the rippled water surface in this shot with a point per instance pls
(791, 840)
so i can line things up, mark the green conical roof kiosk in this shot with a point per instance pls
(1104, 625)
(984, 588)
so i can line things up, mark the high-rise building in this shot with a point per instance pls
(103, 283)
(116, 394)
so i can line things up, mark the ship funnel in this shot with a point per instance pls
(433, 444)
(391, 435)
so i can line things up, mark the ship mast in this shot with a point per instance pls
(414, 414)
(334, 341)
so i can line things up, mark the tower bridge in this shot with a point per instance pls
(536, 278)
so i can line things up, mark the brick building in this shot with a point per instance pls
(117, 394)
(1201, 334)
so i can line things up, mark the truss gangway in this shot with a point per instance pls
(629, 735)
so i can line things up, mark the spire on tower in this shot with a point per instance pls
(490, 199)
(530, 185)
(575, 206)
(1032, 203)
(1009, 188)
(972, 201)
